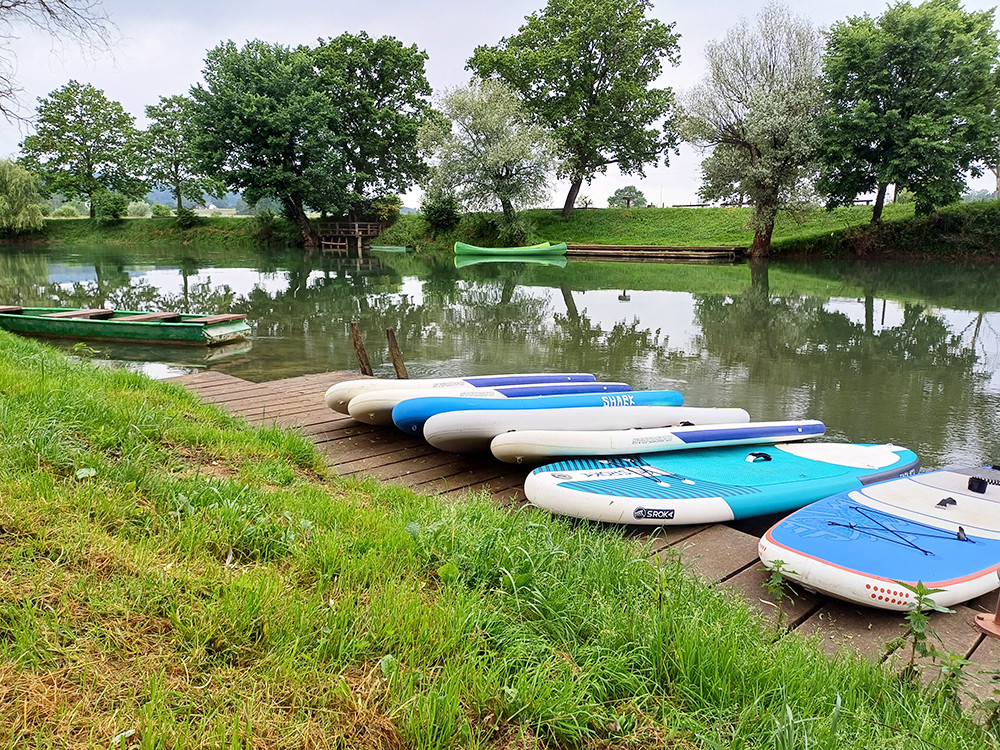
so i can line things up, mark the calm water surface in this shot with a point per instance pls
(908, 354)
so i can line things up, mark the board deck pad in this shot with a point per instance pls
(711, 484)
(941, 528)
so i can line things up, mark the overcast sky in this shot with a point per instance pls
(162, 46)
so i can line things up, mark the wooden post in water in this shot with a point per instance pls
(397, 356)
(359, 349)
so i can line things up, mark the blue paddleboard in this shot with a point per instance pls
(710, 485)
(410, 415)
(941, 528)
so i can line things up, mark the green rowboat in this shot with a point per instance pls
(121, 325)
(461, 248)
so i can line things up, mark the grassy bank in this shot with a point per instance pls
(207, 232)
(176, 579)
(964, 230)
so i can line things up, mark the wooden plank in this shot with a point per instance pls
(11, 309)
(842, 626)
(96, 313)
(211, 319)
(718, 552)
(153, 316)
(790, 612)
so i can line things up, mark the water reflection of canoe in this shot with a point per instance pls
(559, 261)
(121, 325)
(392, 248)
(462, 248)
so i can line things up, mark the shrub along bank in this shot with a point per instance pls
(174, 578)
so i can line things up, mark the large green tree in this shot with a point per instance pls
(485, 149)
(910, 100)
(171, 160)
(585, 68)
(756, 112)
(84, 144)
(264, 125)
(381, 88)
(20, 199)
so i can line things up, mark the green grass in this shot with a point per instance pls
(171, 573)
(209, 231)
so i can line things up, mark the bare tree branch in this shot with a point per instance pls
(84, 22)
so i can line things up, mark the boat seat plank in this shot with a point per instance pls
(210, 319)
(11, 309)
(92, 313)
(153, 316)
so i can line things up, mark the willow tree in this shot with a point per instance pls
(756, 113)
(485, 149)
(586, 69)
(911, 101)
(20, 200)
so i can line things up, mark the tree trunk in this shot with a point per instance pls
(177, 193)
(295, 211)
(761, 246)
(510, 216)
(574, 191)
(879, 204)
(759, 279)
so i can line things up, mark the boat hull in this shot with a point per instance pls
(34, 322)
(462, 248)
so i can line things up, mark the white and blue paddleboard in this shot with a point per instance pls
(339, 395)
(410, 415)
(710, 485)
(698, 430)
(941, 528)
(471, 430)
(376, 407)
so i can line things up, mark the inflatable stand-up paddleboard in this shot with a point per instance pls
(376, 407)
(711, 485)
(339, 395)
(411, 414)
(532, 446)
(941, 528)
(471, 430)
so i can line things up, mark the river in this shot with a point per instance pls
(887, 352)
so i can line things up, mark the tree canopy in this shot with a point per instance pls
(485, 149)
(381, 88)
(85, 143)
(756, 111)
(330, 129)
(585, 68)
(171, 162)
(911, 98)
(627, 197)
(263, 124)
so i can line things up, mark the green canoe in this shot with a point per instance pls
(121, 325)
(461, 248)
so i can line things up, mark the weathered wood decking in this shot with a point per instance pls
(720, 554)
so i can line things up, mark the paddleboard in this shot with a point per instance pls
(411, 414)
(941, 528)
(471, 430)
(339, 395)
(520, 446)
(376, 407)
(711, 485)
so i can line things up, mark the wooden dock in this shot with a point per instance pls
(656, 253)
(722, 555)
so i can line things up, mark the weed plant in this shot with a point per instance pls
(171, 578)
